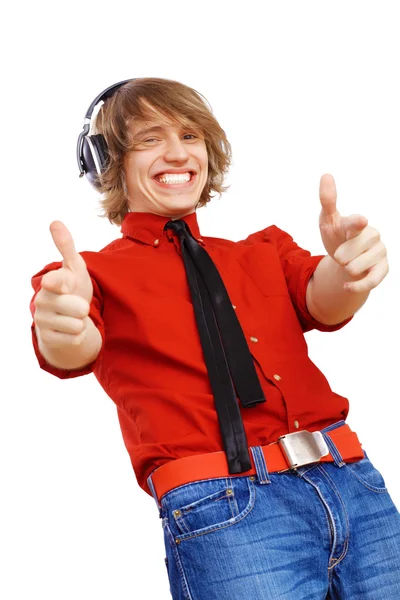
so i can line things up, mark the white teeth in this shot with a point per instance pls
(174, 178)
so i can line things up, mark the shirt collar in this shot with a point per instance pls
(149, 228)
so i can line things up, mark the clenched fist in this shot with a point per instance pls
(67, 336)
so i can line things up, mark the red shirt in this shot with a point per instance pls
(151, 362)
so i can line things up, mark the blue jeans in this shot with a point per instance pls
(325, 531)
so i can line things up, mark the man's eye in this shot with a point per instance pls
(191, 136)
(149, 140)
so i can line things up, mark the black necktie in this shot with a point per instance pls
(229, 362)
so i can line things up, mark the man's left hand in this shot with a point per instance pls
(351, 242)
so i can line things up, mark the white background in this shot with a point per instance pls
(301, 88)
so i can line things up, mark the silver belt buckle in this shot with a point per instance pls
(303, 448)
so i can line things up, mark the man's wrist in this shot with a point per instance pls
(73, 356)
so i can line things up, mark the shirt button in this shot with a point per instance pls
(234, 306)
(277, 377)
(296, 424)
(156, 242)
(254, 339)
(199, 240)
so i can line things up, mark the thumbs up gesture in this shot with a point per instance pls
(62, 304)
(351, 242)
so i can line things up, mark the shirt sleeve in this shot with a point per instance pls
(94, 313)
(298, 266)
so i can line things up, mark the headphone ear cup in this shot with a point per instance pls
(94, 157)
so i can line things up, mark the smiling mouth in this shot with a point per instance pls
(175, 178)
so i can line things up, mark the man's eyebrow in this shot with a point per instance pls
(158, 128)
(147, 130)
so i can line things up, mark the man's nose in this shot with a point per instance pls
(176, 150)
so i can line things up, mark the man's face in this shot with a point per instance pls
(167, 170)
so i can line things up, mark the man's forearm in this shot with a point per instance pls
(74, 356)
(327, 300)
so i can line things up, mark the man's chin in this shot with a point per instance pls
(178, 210)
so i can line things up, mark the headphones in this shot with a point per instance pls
(91, 150)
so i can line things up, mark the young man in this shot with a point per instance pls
(279, 501)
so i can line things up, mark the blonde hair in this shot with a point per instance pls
(178, 102)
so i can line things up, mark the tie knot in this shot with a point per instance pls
(179, 226)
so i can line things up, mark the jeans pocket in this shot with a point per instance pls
(365, 472)
(207, 506)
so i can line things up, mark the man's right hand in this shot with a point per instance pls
(62, 304)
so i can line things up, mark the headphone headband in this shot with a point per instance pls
(105, 94)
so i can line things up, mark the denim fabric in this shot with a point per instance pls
(322, 532)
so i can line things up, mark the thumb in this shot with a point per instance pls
(328, 195)
(65, 245)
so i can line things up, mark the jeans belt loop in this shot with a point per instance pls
(302, 448)
(154, 493)
(260, 465)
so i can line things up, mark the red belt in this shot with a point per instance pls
(214, 464)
